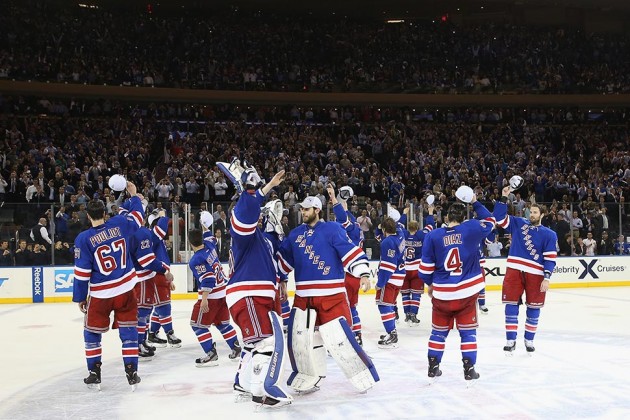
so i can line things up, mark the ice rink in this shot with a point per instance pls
(581, 369)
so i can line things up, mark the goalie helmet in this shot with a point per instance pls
(272, 214)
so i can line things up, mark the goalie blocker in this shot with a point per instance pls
(307, 353)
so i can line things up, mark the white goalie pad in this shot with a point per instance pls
(266, 365)
(353, 361)
(306, 351)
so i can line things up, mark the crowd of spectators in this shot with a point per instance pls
(56, 163)
(42, 41)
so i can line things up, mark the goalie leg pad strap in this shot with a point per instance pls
(355, 363)
(306, 351)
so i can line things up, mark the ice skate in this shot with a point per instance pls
(509, 347)
(412, 320)
(172, 339)
(210, 359)
(359, 339)
(470, 374)
(434, 369)
(132, 376)
(149, 346)
(235, 355)
(269, 402)
(240, 394)
(155, 340)
(93, 381)
(529, 346)
(483, 309)
(389, 341)
(145, 354)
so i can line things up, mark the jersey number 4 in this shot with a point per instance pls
(106, 256)
(453, 262)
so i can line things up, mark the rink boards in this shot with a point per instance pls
(54, 284)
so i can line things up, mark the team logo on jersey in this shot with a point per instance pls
(77, 253)
(64, 280)
(391, 253)
(146, 244)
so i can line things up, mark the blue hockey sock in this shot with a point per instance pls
(531, 322)
(286, 312)
(414, 304)
(143, 316)
(229, 333)
(204, 337)
(469, 345)
(388, 316)
(437, 342)
(129, 338)
(93, 349)
(164, 314)
(511, 321)
(481, 299)
(356, 321)
(406, 300)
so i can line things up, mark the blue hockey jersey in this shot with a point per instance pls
(208, 273)
(159, 231)
(533, 249)
(319, 255)
(413, 242)
(391, 268)
(349, 223)
(450, 257)
(142, 246)
(102, 260)
(253, 267)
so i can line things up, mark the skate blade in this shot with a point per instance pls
(413, 324)
(388, 346)
(307, 391)
(174, 346)
(241, 397)
(264, 407)
(208, 364)
(145, 359)
(235, 359)
(94, 387)
(508, 353)
(158, 345)
(133, 387)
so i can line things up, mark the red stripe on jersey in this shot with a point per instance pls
(250, 287)
(240, 229)
(98, 287)
(319, 286)
(468, 346)
(436, 346)
(525, 263)
(357, 251)
(438, 288)
(146, 260)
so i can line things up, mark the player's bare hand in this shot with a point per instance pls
(430, 291)
(506, 191)
(169, 276)
(131, 188)
(172, 286)
(431, 209)
(544, 286)
(277, 179)
(83, 306)
(365, 283)
(283, 291)
(204, 306)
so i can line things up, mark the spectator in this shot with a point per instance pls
(605, 245)
(23, 256)
(39, 233)
(494, 247)
(6, 256)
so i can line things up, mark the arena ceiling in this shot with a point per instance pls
(368, 8)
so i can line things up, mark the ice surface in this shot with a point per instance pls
(581, 369)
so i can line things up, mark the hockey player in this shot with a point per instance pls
(391, 275)
(319, 252)
(530, 262)
(251, 291)
(450, 268)
(210, 308)
(353, 284)
(104, 279)
(147, 265)
(161, 317)
(413, 287)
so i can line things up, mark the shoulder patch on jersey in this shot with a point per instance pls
(145, 244)
(391, 253)
(77, 253)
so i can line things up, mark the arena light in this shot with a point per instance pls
(88, 6)
(395, 21)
